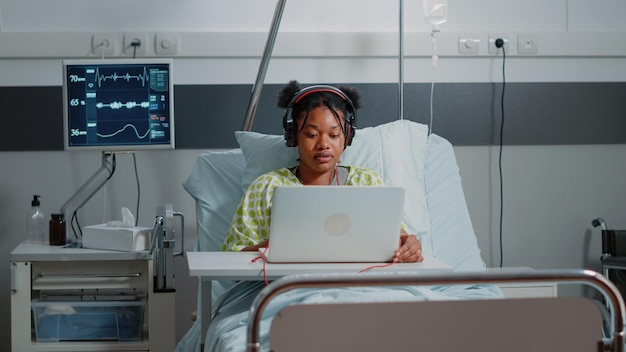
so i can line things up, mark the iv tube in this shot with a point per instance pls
(435, 13)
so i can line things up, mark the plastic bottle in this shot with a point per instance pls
(35, 222)
(57, 230)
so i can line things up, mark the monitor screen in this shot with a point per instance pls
(118, 104)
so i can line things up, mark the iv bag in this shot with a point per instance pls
(435, 11)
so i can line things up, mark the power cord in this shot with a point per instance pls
(138, 190)
(135, 44)
(500, 45)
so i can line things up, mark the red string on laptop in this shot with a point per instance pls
(262, 257)
(376, 266)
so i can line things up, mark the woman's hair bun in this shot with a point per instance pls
(287, 93)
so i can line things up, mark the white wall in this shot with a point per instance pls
(551, 193)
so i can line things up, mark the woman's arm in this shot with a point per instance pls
(250, 226)
(410, 249)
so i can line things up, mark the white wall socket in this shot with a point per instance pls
(103, 44)
(492, 43)
(166, 43)
(134, 37)
(469, 43)
(526, 43)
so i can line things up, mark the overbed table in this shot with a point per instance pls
(240, 266)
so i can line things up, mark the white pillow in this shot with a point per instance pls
(214, 182)
(395, 150)
(263, 153)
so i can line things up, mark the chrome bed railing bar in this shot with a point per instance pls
(265, 60)
(269, 47)
(611, 293)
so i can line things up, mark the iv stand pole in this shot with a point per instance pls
(265, 60)
(267, 53)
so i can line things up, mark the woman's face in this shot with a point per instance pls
(320, 142)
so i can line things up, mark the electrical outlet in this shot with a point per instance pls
(469, 43)
(527, 43)
(135, 50)
(492, 43)
(103, 44)
(166, 43)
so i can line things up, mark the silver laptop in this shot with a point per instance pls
(330, 224)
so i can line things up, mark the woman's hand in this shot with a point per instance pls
(262, 244)
(410, 249)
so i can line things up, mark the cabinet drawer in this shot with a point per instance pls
(130, 274)
(88, 321)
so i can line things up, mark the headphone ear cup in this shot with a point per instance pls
(350, 135)
(290, 138)
(289, 132)
(350, 130)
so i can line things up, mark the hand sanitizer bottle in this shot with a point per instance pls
(35, 223)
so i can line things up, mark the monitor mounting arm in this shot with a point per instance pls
(93, 185)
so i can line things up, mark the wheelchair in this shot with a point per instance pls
(613, 258)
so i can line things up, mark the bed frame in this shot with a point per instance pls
(534, 324)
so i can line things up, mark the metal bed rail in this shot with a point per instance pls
(613, 342)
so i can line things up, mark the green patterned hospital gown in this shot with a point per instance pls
(251, 221)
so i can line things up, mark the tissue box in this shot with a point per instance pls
(117, 238)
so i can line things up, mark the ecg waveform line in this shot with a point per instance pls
(127, 76)
(118, 105)
(128, 125)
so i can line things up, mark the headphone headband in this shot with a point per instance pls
(290, 131)
(319, 89)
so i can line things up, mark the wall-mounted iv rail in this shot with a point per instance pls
(267, 53)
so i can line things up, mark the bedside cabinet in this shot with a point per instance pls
(74, 299)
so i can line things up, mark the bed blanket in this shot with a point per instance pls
(228, 332)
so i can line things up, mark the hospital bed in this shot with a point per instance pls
(403, 153)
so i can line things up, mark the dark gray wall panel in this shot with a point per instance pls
(31, 118)
(464, 113)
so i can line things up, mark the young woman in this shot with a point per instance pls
(320, 122)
